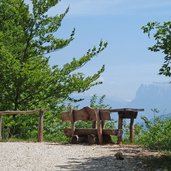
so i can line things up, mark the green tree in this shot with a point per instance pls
(162, 36)
(26, 39)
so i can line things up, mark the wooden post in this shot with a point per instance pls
(72, 121)
(120, 121)
(40, 127)
(0, 127)
(131, 130)
(99, 127)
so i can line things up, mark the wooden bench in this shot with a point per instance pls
(97, 117)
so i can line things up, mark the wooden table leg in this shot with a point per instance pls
(120, 121)
(131, 130)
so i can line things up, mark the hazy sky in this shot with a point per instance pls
(127, 59)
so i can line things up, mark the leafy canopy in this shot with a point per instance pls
(26, 39)
(162, 36)
(28, 35)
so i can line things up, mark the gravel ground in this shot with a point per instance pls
(54, 157)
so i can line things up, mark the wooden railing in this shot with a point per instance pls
(40, 120)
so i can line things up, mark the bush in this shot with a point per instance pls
(156, 134)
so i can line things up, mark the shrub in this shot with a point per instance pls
(156, 134)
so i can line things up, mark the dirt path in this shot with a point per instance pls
(54, 157)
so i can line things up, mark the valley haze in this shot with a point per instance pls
(148, 96)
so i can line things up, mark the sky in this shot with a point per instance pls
(127, 60)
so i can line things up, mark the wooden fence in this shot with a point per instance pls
(40, 120)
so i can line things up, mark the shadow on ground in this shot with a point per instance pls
(135, 159)
(109, 163)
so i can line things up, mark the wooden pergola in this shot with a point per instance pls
(28, 112)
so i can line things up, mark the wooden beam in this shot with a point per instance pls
(126, 110)
(40, 122)
(132, 130)
(40, 127)
(99, 126)
(16, 112)
(120, 122)
(88, 131)
(9, 112)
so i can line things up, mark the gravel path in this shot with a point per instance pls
(54, 157)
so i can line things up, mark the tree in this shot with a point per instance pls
(26, 39)
(162, 36)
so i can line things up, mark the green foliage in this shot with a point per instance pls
(27, 80)
(98, 102)
(153, 134)
(157, 135)
(162, 36)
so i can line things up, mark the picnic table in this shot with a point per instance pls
(98, 117)
(126, 113)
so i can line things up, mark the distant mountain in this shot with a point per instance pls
(152, 96)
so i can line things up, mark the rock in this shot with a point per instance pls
(119, 156)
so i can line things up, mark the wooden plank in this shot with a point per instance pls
(127, 114)
(80, 131)
(126, 109)
(88, 131)
(104, 115)
(84, 114)
(16, 112)
(9, 112)
(40, 127)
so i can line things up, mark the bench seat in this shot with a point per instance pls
(88, 131)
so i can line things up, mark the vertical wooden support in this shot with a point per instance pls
(99, 127)
(131, 130)
(72, 121)
(40, 127)
(120, 121)
(0, 127)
